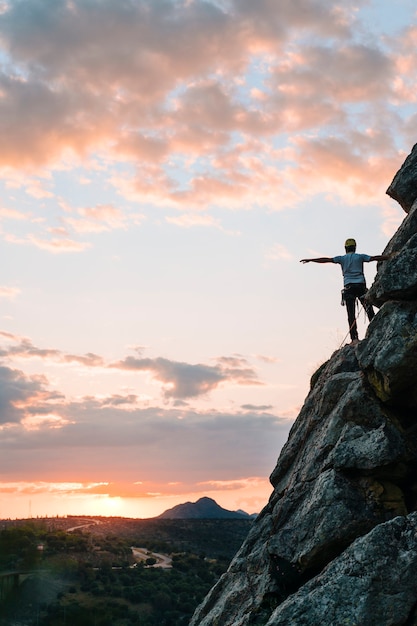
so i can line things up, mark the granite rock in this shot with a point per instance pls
(403, 187)
(337, 541)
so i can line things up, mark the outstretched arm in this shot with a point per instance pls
(322, 259)
(381, 257)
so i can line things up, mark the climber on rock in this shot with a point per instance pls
(354, 285)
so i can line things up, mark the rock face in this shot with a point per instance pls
(403, 188)
(337, 542)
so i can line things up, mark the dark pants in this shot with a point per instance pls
(352, 292)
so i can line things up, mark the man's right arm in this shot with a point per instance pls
(322, 259)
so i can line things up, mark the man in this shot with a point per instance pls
(353, 280)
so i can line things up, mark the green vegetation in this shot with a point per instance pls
(88, 576)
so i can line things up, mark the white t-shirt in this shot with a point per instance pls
(352, 266)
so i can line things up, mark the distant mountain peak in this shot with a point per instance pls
(204, 508)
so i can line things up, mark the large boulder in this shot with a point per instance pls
(397, 277)
(372, 583)
(404, 185)
(388, 354)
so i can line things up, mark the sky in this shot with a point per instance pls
(164, 167)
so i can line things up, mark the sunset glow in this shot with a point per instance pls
(165, 165)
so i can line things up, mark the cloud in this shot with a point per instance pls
(95, 492)
(142, 444)
(257, 407)
(97, 219)
(33, 488)
(188, 220)
(345, 167)
(228, 485)
(56, 245)
(73, 223)
(405, 64)
(179, 380)
(279, 253)
(9, 292)
(267, 359)
(36, 189)
(18, 392)
(179, 90)
(126, 445)
(43, 421)
(122, 446)
(23, 348)
(354, 73)
(11, 214)
(391, 220)
(270, 22)
(184, 380)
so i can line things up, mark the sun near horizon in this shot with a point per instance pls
(59, 500)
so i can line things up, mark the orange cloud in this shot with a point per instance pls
(97, 219)
(9, 292)
(345, 167)
(55, 245)
(33, 488)
(11, 214)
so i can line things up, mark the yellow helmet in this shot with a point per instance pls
(349, 243)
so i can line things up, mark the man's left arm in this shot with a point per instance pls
(380, 257)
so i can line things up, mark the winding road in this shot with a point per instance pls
(142, 554)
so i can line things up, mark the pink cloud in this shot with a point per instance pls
(57, 245)
(405, 62)
(60, 242)
(173, 84)
(346, 167)
(11, 214)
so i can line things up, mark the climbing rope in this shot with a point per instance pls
(360, 309)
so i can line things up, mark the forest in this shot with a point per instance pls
(88, 576)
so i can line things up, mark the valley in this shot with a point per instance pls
(113, 571)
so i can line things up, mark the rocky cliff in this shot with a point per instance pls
(337, 542)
